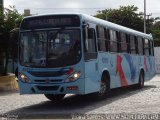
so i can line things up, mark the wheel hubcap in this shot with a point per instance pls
(103, 88)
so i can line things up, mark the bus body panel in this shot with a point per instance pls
(120, 67)
(92, 78)
(123, 68)
(107, 62)
(149, 66)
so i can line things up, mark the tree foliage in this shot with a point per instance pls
(9, 20)
(127, 16)
(156, 33)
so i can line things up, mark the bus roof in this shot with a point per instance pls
(101, 22)
(115, 26)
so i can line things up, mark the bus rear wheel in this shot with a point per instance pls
(141, 80)
(55, 98)
(104, 87)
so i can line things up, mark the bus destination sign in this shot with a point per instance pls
(50, 22)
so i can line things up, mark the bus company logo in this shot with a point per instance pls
(47, 81)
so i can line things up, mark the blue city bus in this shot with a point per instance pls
(72, 53)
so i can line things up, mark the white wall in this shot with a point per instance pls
(157, 59)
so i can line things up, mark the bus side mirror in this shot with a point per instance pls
(85, 25)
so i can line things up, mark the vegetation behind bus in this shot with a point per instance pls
(9, 20)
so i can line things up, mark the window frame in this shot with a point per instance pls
(114, 40)
(140, 45)
(133, 50)
(151, 46)
(147, 47)
(101, 38)
(89, 55)
(125, 41)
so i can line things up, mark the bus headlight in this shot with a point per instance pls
(73, 77)
(24, 78)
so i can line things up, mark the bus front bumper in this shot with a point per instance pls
(76, 87)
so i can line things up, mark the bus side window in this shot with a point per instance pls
(132, 44)
(136, 44)
(113, 41)
(151, 48)
(123, 43)
(140, 46)
(90, 44)
(101, 38)
(128, 43)
(107, 37)
(146, 47)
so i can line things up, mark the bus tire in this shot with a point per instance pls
(55, 98)
(16, 74)
(141, 80)
(104, 86)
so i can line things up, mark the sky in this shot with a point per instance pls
(83, 6)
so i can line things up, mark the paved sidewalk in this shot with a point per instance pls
(122, 102)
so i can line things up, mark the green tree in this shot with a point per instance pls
(9, 20)
(127, 16)
(156, 33)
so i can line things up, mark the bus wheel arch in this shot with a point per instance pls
(104, 84)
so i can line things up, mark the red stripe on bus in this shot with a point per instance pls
(119, 70)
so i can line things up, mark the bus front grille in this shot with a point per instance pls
(47, 73)
(48, 81)
(47, 88)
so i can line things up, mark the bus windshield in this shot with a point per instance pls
(50, 48)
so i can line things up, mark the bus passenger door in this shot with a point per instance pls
(91, 62)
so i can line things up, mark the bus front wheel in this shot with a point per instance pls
(55, 98)
(104, 87)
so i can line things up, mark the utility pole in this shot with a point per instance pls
(144, 16)
(147, 26)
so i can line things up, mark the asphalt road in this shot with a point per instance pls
(129, 103)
